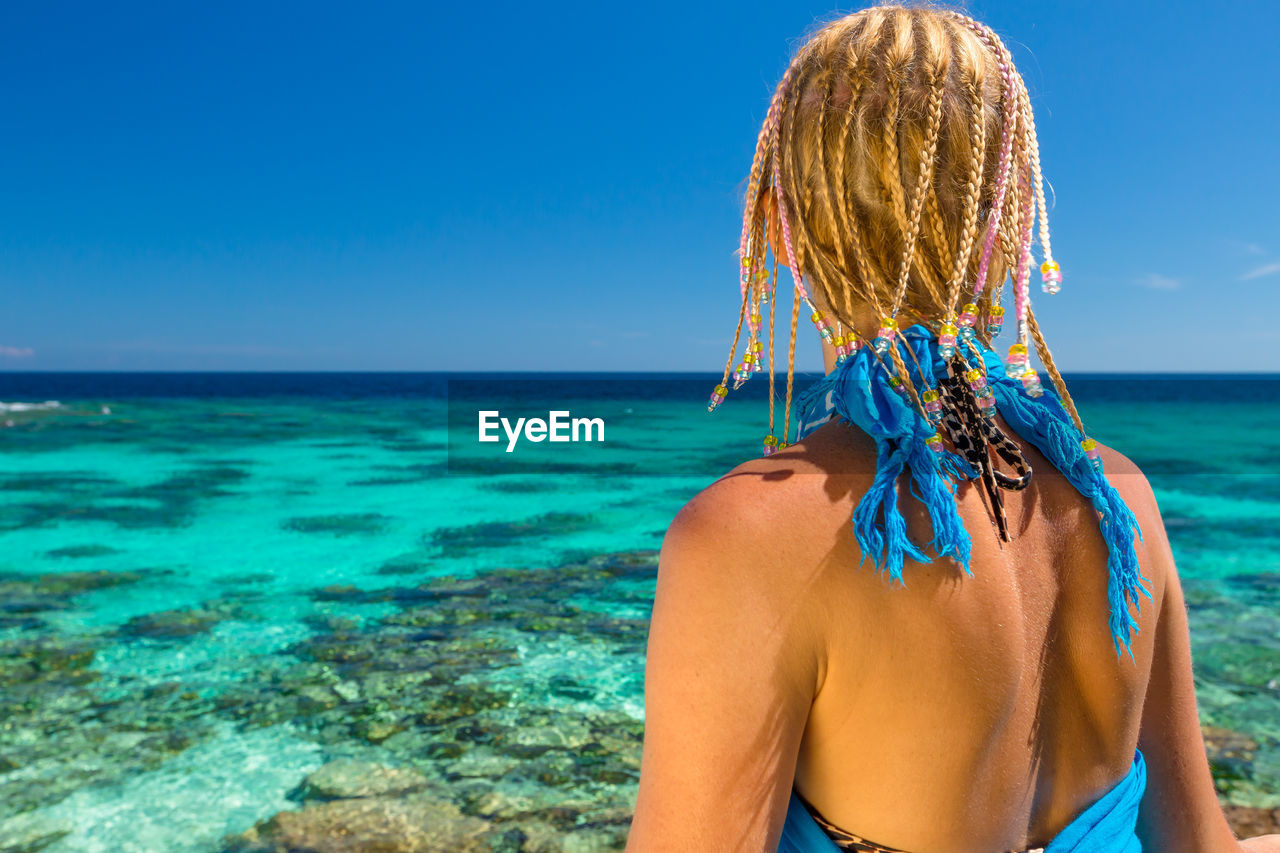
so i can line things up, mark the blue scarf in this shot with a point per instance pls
(858, 391)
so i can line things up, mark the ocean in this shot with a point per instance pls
(240, 610)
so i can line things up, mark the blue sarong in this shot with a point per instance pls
(1107, 826)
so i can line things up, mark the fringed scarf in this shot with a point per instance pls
(858, 391)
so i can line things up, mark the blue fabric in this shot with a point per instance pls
(858, 391)
(1107, 826)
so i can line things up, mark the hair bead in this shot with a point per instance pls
(1017, 361)
(717, 397)
(947, 337)
(932, 406)
(995, 320)
(1090, 448)
(1051, 276)
(885, 335)
(968, 317)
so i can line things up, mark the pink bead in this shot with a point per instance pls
(986, 402)
(933, 406)
(887, 333)
(1095, 453)
(967, 319)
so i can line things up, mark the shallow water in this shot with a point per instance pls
(223, 582)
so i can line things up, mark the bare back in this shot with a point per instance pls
(994, 703)
(957, 714)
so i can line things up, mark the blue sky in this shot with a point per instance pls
(289, 186)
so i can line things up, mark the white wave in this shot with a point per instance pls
(29, 407)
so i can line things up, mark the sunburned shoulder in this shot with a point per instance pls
(1128, 479)
(761, 496)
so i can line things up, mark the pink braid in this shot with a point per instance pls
(801, 290)
(1021, 292)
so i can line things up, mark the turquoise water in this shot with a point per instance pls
(211, 588)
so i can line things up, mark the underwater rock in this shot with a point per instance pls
(568, 688)
(347, 779)
(376, 731)
(1247, 821)
(497, 533)
(34, 593)
(75, 552)
(171, 624)
(495, 803)
(481, 761)
(45, 659)
(540, 837)
(1230, 753)
(594, 841)
(29, 833)
(1249, 664)
(347, 524)
(413, 824)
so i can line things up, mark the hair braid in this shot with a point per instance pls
(791, 368)
(927, 163)
(973, 190)
(1046, 358)
(1033, 150)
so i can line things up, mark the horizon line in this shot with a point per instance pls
(1116, 373)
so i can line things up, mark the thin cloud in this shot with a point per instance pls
(16, 352)
(1266, 269)
(1155, 281)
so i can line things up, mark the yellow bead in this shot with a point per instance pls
(757, 347)
(997, 311)
(815, 316)
(746, 262)
(1048, 266)
(749, 357)
(888, 323)
(970, 308)
(722, 391)
(1018, 349)
(770, 441)
(755, 318)
(839, 341)
(930, 395)
(1089, 444)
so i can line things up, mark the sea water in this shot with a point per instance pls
(211, 585)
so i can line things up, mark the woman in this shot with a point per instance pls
(999, 684)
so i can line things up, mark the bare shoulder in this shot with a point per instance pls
(762, 496)
(1133, 486)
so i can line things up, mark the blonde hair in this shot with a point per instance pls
(900, 156)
